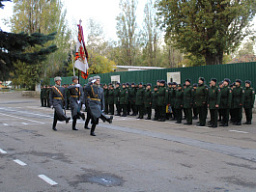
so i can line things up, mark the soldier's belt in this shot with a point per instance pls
(95, 99)
(58, 98)
(75, 96)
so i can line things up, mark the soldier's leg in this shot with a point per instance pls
(195, 113)
(118, 109)
(124, 110)
(74, 123)
(178, 115)
(87, 120)
(189, 116)
(185, 113)
(215, 118)
(106, 108)
(54, 121)
(94, 123)
(111, 109)
(205, 112)
(250, 116)
(239, 116)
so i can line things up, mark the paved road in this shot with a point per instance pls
(128, 155)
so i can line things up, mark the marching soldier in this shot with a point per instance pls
(179, 103)
(124, 99)
(111, 99)
(117, 99)
(148, 101)
(47, 100)
(213, 102)
(225, 102)
(67, 92)
(89, 117)
(201, 96)
(188, 101)
(140, 100)
(249, 98)
(238, 97)
(94, 98)
(76, 98)
(57, 101)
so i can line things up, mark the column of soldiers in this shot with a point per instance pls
(75, 97)
(223, 101)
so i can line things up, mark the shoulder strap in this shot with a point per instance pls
(58, 91)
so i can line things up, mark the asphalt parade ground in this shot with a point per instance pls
(128, 155)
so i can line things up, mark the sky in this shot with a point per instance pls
(102, 11)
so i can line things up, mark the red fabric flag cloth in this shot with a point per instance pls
(81, 54)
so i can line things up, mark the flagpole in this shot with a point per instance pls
(72, 60)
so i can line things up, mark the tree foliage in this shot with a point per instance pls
(206, 28)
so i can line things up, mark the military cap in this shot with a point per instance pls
(141, 83)
(133, 83)
(149, 84)
(123, 83)
(184, 84)
(220, 83)
(249, 82)
(90, 79)
(158, 80)
(74, 77)
(201, 78)
(174, 83)
(179, 85)
(155, 86)
(57, 78)
(214, 79)
(162, 81)
(195, 85)
(96, 77)
(239, 81)
(188, 80)
(170, 83)
(227, 80)
(117, 83)
(110, 84)
(127, 83)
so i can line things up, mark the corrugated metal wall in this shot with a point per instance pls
(243, 71)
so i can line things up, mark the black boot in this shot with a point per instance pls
(93, 129)
(54, 122)
(74, 125)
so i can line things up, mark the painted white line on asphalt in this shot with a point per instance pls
(24, 123)
(237, 131)
(5, 124)
(47, 180)
(24, 112)
(19, 162)
(22, 118)
(2, 151)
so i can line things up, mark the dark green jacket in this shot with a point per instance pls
(238, 97)
(106, 96)
(179, 99)
(154, 98)
(249, 97)
(132, 95)
(148, 98)
(161, 96)
(201, 95)
(117, 95)
(214, 97)
(188, 97)
(111, 96)
(225, 97)
(124, 94)
(140, 96)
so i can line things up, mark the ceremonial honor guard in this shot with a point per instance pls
(249, 98)
(213, 102)
(76, 98)
(94, 98)
(57, 101)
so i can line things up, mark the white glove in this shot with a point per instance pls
(78, 85)
(51, 107)
(83, 106)
(78, 101)
(93, 81)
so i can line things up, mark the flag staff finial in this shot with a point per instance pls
(80, 21)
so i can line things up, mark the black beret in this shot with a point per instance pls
(214, 79)
(239, 81)
(227, 80)
(249, 82)
(201, 78)
(195, 85)
(188, 80)
(149, 84)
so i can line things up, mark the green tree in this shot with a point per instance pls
(206, 28)
(44, 16)
(126, 32)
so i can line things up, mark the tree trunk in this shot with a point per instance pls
(214, 59)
